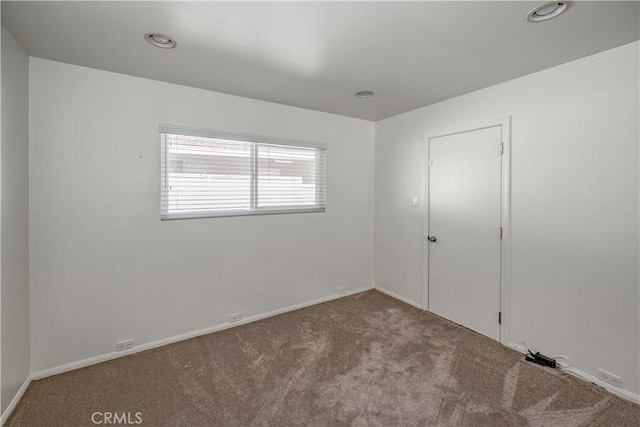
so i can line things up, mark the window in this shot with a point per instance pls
(211, 173)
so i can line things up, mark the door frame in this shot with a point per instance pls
(505, 212)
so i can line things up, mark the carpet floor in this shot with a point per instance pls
(361, 360)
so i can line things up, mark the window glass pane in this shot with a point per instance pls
(206, 175)
(286, 177)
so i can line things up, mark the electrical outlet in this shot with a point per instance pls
(124, 345)
(342, 290)
(235, 317)
(610, 378)
(415, 202)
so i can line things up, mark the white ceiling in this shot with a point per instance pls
(317, 54)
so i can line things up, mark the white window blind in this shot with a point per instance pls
(212, 173)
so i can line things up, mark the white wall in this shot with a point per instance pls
(105, 268)
(574, 288)
(15, 219)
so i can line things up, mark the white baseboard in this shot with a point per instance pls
(188, 335)
(14, 402)
(625, 394)
(398, 297)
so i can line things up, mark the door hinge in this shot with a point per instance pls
(501, 233)
(502, 148)
(500, 318)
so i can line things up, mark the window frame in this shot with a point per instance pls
(320, 148)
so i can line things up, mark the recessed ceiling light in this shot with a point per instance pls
(364, 94)
(160, 40)
(547, 11)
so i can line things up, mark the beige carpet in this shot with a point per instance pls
(362, 360)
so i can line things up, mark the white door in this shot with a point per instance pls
(465, 177)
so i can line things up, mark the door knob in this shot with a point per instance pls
(431, 238)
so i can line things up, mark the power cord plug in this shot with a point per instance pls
(541, 359)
